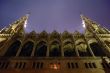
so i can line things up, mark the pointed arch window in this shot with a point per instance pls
(97, 49)
(83, 49)
(55, 49)
(13, 48)
(27, 49)
(68, 49)
(41, 49)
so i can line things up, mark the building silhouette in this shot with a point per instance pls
(55, 52)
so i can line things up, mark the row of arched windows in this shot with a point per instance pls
(54, 50)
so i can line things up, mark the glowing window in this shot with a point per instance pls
(55, 66)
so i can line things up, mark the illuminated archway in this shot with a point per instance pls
(55, 49)
(83, 49)
(68, 49)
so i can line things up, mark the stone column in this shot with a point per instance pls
(34, 48)
(89, 46)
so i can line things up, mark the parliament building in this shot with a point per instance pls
(55, 52)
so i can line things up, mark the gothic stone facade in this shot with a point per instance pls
(55, 52)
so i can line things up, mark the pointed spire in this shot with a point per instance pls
(26, 18)
(16, 27)
(89, 24)
(92, 25)
(83, 20)
(20, 24)
(81, 15)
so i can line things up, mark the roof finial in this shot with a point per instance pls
(81, 15)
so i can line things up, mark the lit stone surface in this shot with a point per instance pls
(54, 52)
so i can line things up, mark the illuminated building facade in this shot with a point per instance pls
(55, 52)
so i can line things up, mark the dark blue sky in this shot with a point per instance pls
(57, 15)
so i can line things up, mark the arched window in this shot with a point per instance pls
(97, 49)
(41, 49)
(83, 49)
(68, 49)
(13, 48)
(55, 50)
(27, 49)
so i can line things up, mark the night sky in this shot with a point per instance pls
(57, 15)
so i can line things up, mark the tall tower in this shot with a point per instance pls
(55, 52)
(97, 31)
(9, 34)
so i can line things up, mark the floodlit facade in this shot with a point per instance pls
(55, 52)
